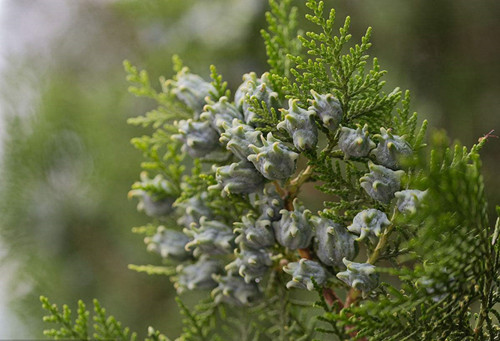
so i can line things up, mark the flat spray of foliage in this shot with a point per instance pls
(403, 250)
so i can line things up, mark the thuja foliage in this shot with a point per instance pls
(403, 250)
(100, 327)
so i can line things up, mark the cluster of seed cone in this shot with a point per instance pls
(232, 258)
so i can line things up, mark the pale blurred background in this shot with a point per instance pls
(67, 163)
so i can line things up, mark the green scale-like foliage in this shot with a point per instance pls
(428, 268)
(327, 69)
(100, 327)
(457, 262)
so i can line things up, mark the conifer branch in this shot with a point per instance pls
(226, 217)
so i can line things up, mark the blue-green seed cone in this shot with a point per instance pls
(156, 207)
(210, 238)
(220, 114)
(360, 276)
(303, 272)
(390, 149)
(256, 89)
(191, 89)
(328, 108)
(197, 276)
(238, 137)
(254, 233)
(333, 242)
(199, 138)
(236, 178)
(409, 200)
(355, 142)
(294, 230)
(232, 289)
(381, 183)
(369, 224)
(156, 196)
(269, 203)
(299, 123)
(193, 209)
(170, 244)
(274, 160)
(249, 80)
(251, 264)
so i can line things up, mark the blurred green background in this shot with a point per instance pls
(67, 163)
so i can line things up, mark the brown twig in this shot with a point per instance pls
(352, 297)
(487, 136)
(331, 298)
(289, 194)
(305, 253)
